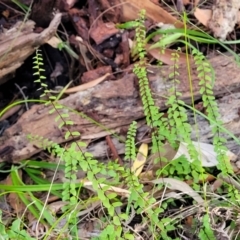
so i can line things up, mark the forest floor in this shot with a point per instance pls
(89, 150)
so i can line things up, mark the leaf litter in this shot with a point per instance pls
(98, 24)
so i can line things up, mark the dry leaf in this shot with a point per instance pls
(203, 15)
(58, 70)
(101, 31)
(5, 13)
(88, 85)
(119, 191)
(57, 206)
(167, 55)
(175, 184)
(221, 20)
(216, 185)
(224, 17)
(131, 8)
(84, 53)
(174, 195)
(140, 160)
(10, 112)
(13, 198)
(207, 155)
(54, 42)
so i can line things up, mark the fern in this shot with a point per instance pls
(178, 121)
(73, 160)
(209, 102)
(171, 129)
(150, 109)
(130, 149)
(154, 119)
(71, 163)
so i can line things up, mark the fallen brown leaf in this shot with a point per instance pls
(140, 160)
(154, 12)
(13, 198)
(203, 15)
(175, 184)
(95, 73)
(167, 55)
(88, 85)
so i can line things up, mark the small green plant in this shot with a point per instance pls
(16, 231)
(171, 128)
(175, 127)
(210, 104)
(73, 160)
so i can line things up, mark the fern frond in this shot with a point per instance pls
(209, 102)
(130, 149)
(154, 119)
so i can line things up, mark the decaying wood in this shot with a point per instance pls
(20, 42)
(115, 104)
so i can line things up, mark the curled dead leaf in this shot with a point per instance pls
(203, 15)
(140, 160)
(131, 8)
(166, 57)
(175, 184)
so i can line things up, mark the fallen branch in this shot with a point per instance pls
(114, 104)
(20, 42)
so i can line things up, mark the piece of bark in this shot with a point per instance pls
(95, 73)
(79, 21)
(100, 31)
(42, 11)
(20, 42)
(125, 49)
(224, 17)
(114, 104)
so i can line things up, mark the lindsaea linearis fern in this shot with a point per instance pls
(74, 159)
(171, 129)
(78, 159)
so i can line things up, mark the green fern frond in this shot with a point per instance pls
(130, 149)
(154, 119)
(209, 102)
(39, 73)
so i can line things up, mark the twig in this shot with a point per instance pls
(14, 10)
(24, 96)
(113, 150)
